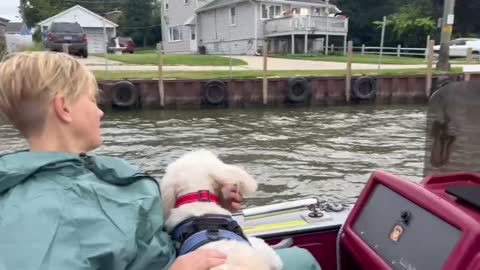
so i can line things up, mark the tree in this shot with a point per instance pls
(38, 10)
(141, 20)
(362, 15)
(411, 24)
(466, 23)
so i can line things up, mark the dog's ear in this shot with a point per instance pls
(168, 195)
(234, 175)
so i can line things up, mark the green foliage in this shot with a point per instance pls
(357, 58)
(35, 47)
(410, 21)
(408, 27)
(39, 10)
(141, 20)
(363, 13)
(119, 75)
(146, 58)
(3, 48)
(466, 22)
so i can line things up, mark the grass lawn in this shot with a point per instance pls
(369, 59)
(149, 57)
(357, 58)
(119, 75)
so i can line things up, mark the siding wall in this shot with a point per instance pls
(219, 36)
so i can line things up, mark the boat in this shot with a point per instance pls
(396, 223)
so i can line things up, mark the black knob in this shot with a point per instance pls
(406, 216)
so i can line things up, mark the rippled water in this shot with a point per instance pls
(293, 153)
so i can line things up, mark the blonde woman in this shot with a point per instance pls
(61, 208)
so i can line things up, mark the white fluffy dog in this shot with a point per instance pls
(202, 170)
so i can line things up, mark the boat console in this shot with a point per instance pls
(401, 225)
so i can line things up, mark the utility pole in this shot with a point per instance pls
(447, 27)
(326, 22)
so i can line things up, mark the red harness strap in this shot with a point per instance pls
(199, 196)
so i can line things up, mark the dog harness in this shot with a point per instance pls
(198, 231)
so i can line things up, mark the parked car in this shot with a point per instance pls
(60, 33)
(124, 42)
(459, 47)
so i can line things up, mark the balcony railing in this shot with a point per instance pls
(312, 24)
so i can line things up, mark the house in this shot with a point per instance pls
(17, 36)
(98, 29)
(240, 26)
(19, 28)
(3, 27)
(179, 25)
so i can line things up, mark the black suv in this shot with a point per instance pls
(66, 32)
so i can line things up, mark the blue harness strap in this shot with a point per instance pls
(204, 237)
(198, 231)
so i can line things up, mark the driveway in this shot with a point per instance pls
(97, 61)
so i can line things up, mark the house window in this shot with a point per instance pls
(232, 16)
(187, 2)
(166, 4)
(271, 11)
(175, 33)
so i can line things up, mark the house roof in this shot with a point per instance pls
(4, 20)
(220, 3)
(14, 27)
(108, 23)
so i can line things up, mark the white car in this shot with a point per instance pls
(459, 47)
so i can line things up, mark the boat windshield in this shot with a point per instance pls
(453, 129)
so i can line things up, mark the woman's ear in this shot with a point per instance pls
(62, 109)
(231, 175)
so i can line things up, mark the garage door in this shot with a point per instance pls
(95, 43)
(95, 39)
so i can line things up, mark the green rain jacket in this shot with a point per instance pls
(67, 211)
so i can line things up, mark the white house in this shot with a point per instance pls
(93, 25)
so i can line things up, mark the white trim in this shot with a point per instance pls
(268, 11)
(275, 2)
(112, 24)
(180, 32)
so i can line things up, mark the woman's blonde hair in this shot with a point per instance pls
(30, 80)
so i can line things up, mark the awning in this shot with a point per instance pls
(191, 21)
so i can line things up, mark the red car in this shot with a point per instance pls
(125, 42)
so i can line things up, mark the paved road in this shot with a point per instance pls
(254, 63)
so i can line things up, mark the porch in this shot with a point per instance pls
(304, 33)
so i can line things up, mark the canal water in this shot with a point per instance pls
(293, 153)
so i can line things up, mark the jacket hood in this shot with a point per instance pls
(18, 167)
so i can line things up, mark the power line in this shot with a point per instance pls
(143, 27)
(94, 2)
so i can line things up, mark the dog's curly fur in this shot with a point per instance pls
(202, 170)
